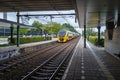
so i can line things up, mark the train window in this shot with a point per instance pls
(62, 33)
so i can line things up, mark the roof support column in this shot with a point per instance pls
(98, 35)
(18, 30)
(11, 33)
(118, 21)
(85, 26)
(51, 24)
(84, 36)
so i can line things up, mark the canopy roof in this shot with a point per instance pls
(35, 5)
(97, 11)
(7, 23)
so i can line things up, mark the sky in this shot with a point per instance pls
(12, 16)
(60, 19)
(68, 19)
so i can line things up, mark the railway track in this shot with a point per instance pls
(22, 55)
(16, 67)
(10, 68)
(54, 67)
(23, 58)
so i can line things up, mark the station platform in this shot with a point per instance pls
(8, 48)
(92, 63)
(10, 51)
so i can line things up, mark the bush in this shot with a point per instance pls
(30, 39)
(3, 36)
(94, 40)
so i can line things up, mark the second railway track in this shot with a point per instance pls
(23, 58)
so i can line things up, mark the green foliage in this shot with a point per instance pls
(53, 27)
(89, 32)
(3, 36)
(2, 45)
(102, 42)
(30, 39)
(68, 27)
(56, 28)
(94, 40)
(22, 30)
(38, 26)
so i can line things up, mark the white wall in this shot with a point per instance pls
(113, 46)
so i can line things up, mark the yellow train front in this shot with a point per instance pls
(64, 36)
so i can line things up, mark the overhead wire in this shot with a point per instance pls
(53, 5)
(51, 2)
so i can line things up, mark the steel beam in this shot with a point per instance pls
(47, 14)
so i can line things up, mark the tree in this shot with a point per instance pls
(90, 32)
(69, 27)
(38, 26)
(53, 27)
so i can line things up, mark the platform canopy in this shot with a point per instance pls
(97, 12)
(35, 5)
(7, 23)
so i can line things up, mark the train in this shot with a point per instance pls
(65, 35)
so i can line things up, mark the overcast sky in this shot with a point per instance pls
(12, 16)
(67, 19)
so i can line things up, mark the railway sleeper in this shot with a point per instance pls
(7, 70)
(46, 74)
(57, 78)
(60, 74)
(45, 70)
(1, 66)
(49, 67)
(10, 62)
(62, 70)
(64, 67)
(14, 67)
(39, 78)
(53, 64)
(4, 64)
(1, 73)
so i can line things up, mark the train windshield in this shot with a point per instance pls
(62, 33)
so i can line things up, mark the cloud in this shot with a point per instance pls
(60, 19)
(1, 15)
